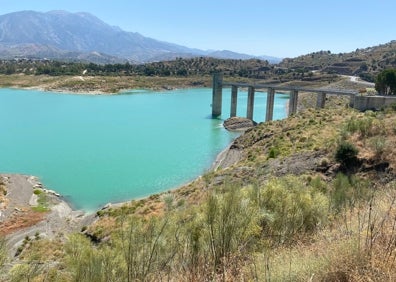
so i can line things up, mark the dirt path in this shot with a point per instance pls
(356, 79)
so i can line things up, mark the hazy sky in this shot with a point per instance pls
(282, 28)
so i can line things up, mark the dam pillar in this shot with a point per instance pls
(250, 103)
(217, 94)
(270, 104)
(352, 101)
(321, 100)
(234, 99)
(293, 102)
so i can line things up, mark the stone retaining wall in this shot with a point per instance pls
(363, 103)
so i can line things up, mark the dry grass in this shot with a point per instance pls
(101, 84)
(358, 246)
(19, 220)
(114, 84)
(47, 250)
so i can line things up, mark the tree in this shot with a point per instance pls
(385, 82)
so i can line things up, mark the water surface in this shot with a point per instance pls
(95, 149)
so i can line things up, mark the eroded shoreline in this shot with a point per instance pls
(30, 210)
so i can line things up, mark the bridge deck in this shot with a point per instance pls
(292, 88)
(218, 85)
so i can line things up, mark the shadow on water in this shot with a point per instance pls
(214, 118)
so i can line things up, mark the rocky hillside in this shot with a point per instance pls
(366, 62)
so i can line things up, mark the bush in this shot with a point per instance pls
(273, 153)
(385, 82)
(231, 224)
(292, 207)
(346, 154)
(378, 144)
(37, 191)
(363, 126)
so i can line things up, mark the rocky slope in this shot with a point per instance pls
(366, 62)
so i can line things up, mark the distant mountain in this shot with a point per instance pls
(270, 59)
(37, 51)
(226, 54)
(74, 36)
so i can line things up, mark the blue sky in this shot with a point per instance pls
(281, 28)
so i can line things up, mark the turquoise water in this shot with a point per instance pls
(95, 149)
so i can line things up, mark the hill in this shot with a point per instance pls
(77, 36)
(365, 62)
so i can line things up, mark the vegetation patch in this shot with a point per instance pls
(42, 201)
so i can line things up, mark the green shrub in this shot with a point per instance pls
(37, 191)
(346, 154)
(42, 201)
(378, 144)
(86, 263)
(148, 247)
(324, 162)
(231, 223)
(385, 82)
(347, 191)
(289, 207)
(360, 125)
(318, 184)
(341, 192)
(169, 200)
(273, 153)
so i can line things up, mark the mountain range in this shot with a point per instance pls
(84, 37)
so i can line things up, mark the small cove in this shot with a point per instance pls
(95, 149)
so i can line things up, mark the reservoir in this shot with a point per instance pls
(95, 149)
